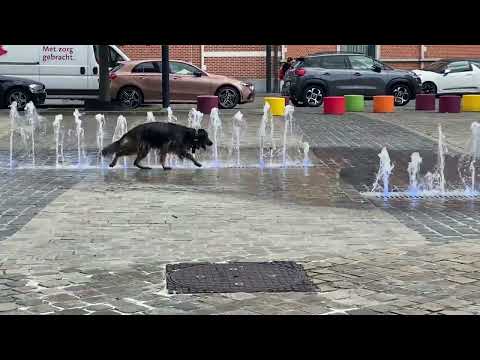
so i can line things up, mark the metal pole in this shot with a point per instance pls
(268, 60)
(276, 82)
(165, 77)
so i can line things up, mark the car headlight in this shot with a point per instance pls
(35, 88)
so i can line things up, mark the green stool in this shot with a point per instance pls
(354, 103)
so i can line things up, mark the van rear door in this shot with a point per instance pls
(116, 56)
(64, 70)
(20, 60)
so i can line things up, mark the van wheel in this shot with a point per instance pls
(130, 97)
(19, 95)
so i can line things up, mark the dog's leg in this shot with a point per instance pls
(114, 161)
(192, 159)
(140, 156)
(163, 157)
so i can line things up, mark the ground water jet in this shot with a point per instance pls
(120, 130)
(413, 171)
(238, 123)
(13, 118)
(442, 150)
(100, 135)
(306, 149)
(151, 118)
(30, 113)
(262, 132)
(384, 171)
(57, 130)
(216, 125)
(288, 118)
(80, 132)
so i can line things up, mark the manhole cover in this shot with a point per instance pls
(279, 276)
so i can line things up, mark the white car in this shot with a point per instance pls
(451, 76)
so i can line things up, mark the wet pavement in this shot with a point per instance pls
(98, 241)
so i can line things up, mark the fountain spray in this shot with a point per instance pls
(30, 112)
(171, 118)
(216, 124)
(288, 118)
(237, 124)
(120, 130)
(384, 171)
(262, 133)
(57, 126)
(100, 134)
(442, 150)
(13, 117)
(413, 171)
(80, 134)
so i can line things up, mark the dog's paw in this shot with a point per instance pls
(146, 168)
(111, 165)
(198, 165)
(167, 168)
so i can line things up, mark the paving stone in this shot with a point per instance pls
(7, 307)
(455, 312)
(42, 309)
(99, 307)
(60, 298)
(104, 312)
(126, 307)
(460, 279)
(72, 312)
(431, 306)
(363, 312)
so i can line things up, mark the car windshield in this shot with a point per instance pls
(437, 67)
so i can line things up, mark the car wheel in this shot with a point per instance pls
(21, 96)
(429, 88)
(130, 97)
(401, 94)
(313, 95)
(228, 97)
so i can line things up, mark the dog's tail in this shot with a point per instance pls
(111, 149)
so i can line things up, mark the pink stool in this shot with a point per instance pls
(425, 102)
(449, 104)
(334, 105)
(205, 103)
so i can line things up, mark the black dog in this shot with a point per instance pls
(166, 137)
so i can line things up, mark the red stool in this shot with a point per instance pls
(205, 103)
(449, 104)
(425, 102)
(334, 105)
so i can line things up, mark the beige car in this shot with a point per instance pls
(134, 83)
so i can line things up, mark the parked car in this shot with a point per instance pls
(134, 83)
(451, 76)
(20, 90)
(68, 71)
(336, 74)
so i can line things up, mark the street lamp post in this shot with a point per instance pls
(165, 77)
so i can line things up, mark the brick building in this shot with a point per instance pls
(247, 62)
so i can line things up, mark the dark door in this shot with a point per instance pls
(365, 81)
(335, 71)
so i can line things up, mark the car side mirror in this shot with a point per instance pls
(376, 68)
(197, 73)
(446, 72)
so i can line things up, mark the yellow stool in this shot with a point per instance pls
(471, 103)
(277, 105)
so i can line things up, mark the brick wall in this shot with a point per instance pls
(302, 50)
(399, 52)
(452, 51)
(251, 68)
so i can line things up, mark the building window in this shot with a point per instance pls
(369, 50)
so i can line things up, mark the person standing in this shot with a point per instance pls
(283, 70)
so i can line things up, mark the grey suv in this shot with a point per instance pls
(335, 74)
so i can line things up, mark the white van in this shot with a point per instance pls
(67, 71)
